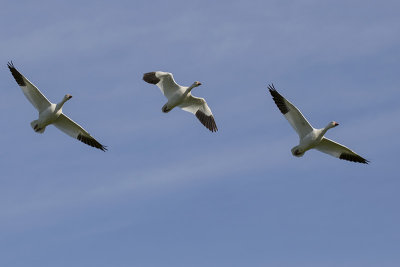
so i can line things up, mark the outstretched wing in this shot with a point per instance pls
(339, 151)
(291, 113)
(32, 93)
(74, 130)
(164, 80)
(199, 107)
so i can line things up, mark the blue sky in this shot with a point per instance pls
(169, 192)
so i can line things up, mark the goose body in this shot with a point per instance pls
(311, 138)
(50, 113)
(182, 97)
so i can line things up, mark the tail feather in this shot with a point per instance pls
(36, 128)
(151, 77)
(165, 108)
(297, 152)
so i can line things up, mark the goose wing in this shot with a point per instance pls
(291, 113)
(339, 151)
(198, 106)
(164, 80)
(32, 93)
(76, 131)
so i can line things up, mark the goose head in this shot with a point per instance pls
(330, 125)
(195, 84)
(333, 124)
(65, 99)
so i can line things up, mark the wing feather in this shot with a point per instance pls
(339, 151)
(291, 113)
(76, 131)
(32, 93)
(198, 106)
(164, 80)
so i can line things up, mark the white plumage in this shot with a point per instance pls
(50, 113)
(181, 96)
(310, 137)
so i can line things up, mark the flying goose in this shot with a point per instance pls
(310, 137)
(181, 96)
(50, 113)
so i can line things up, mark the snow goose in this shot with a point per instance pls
(182, 97)
(310, 137)
(50, 113)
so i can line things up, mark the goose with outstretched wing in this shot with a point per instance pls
(309, 136)
(181, 96)
(50, 113)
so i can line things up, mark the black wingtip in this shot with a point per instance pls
(15, 73)
(10, 64)
(207, 121)
(353, 158)
(91, 142)
(271, 87)
(151, 77)
(278, 99)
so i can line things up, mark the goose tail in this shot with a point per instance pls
(36, 128)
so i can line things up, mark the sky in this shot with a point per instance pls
(168, 192)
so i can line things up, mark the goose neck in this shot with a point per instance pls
(327, 127)
(189, 89)
(60, 105)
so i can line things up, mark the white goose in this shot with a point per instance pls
(310, 137)
(181, 96)
(50, 113)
